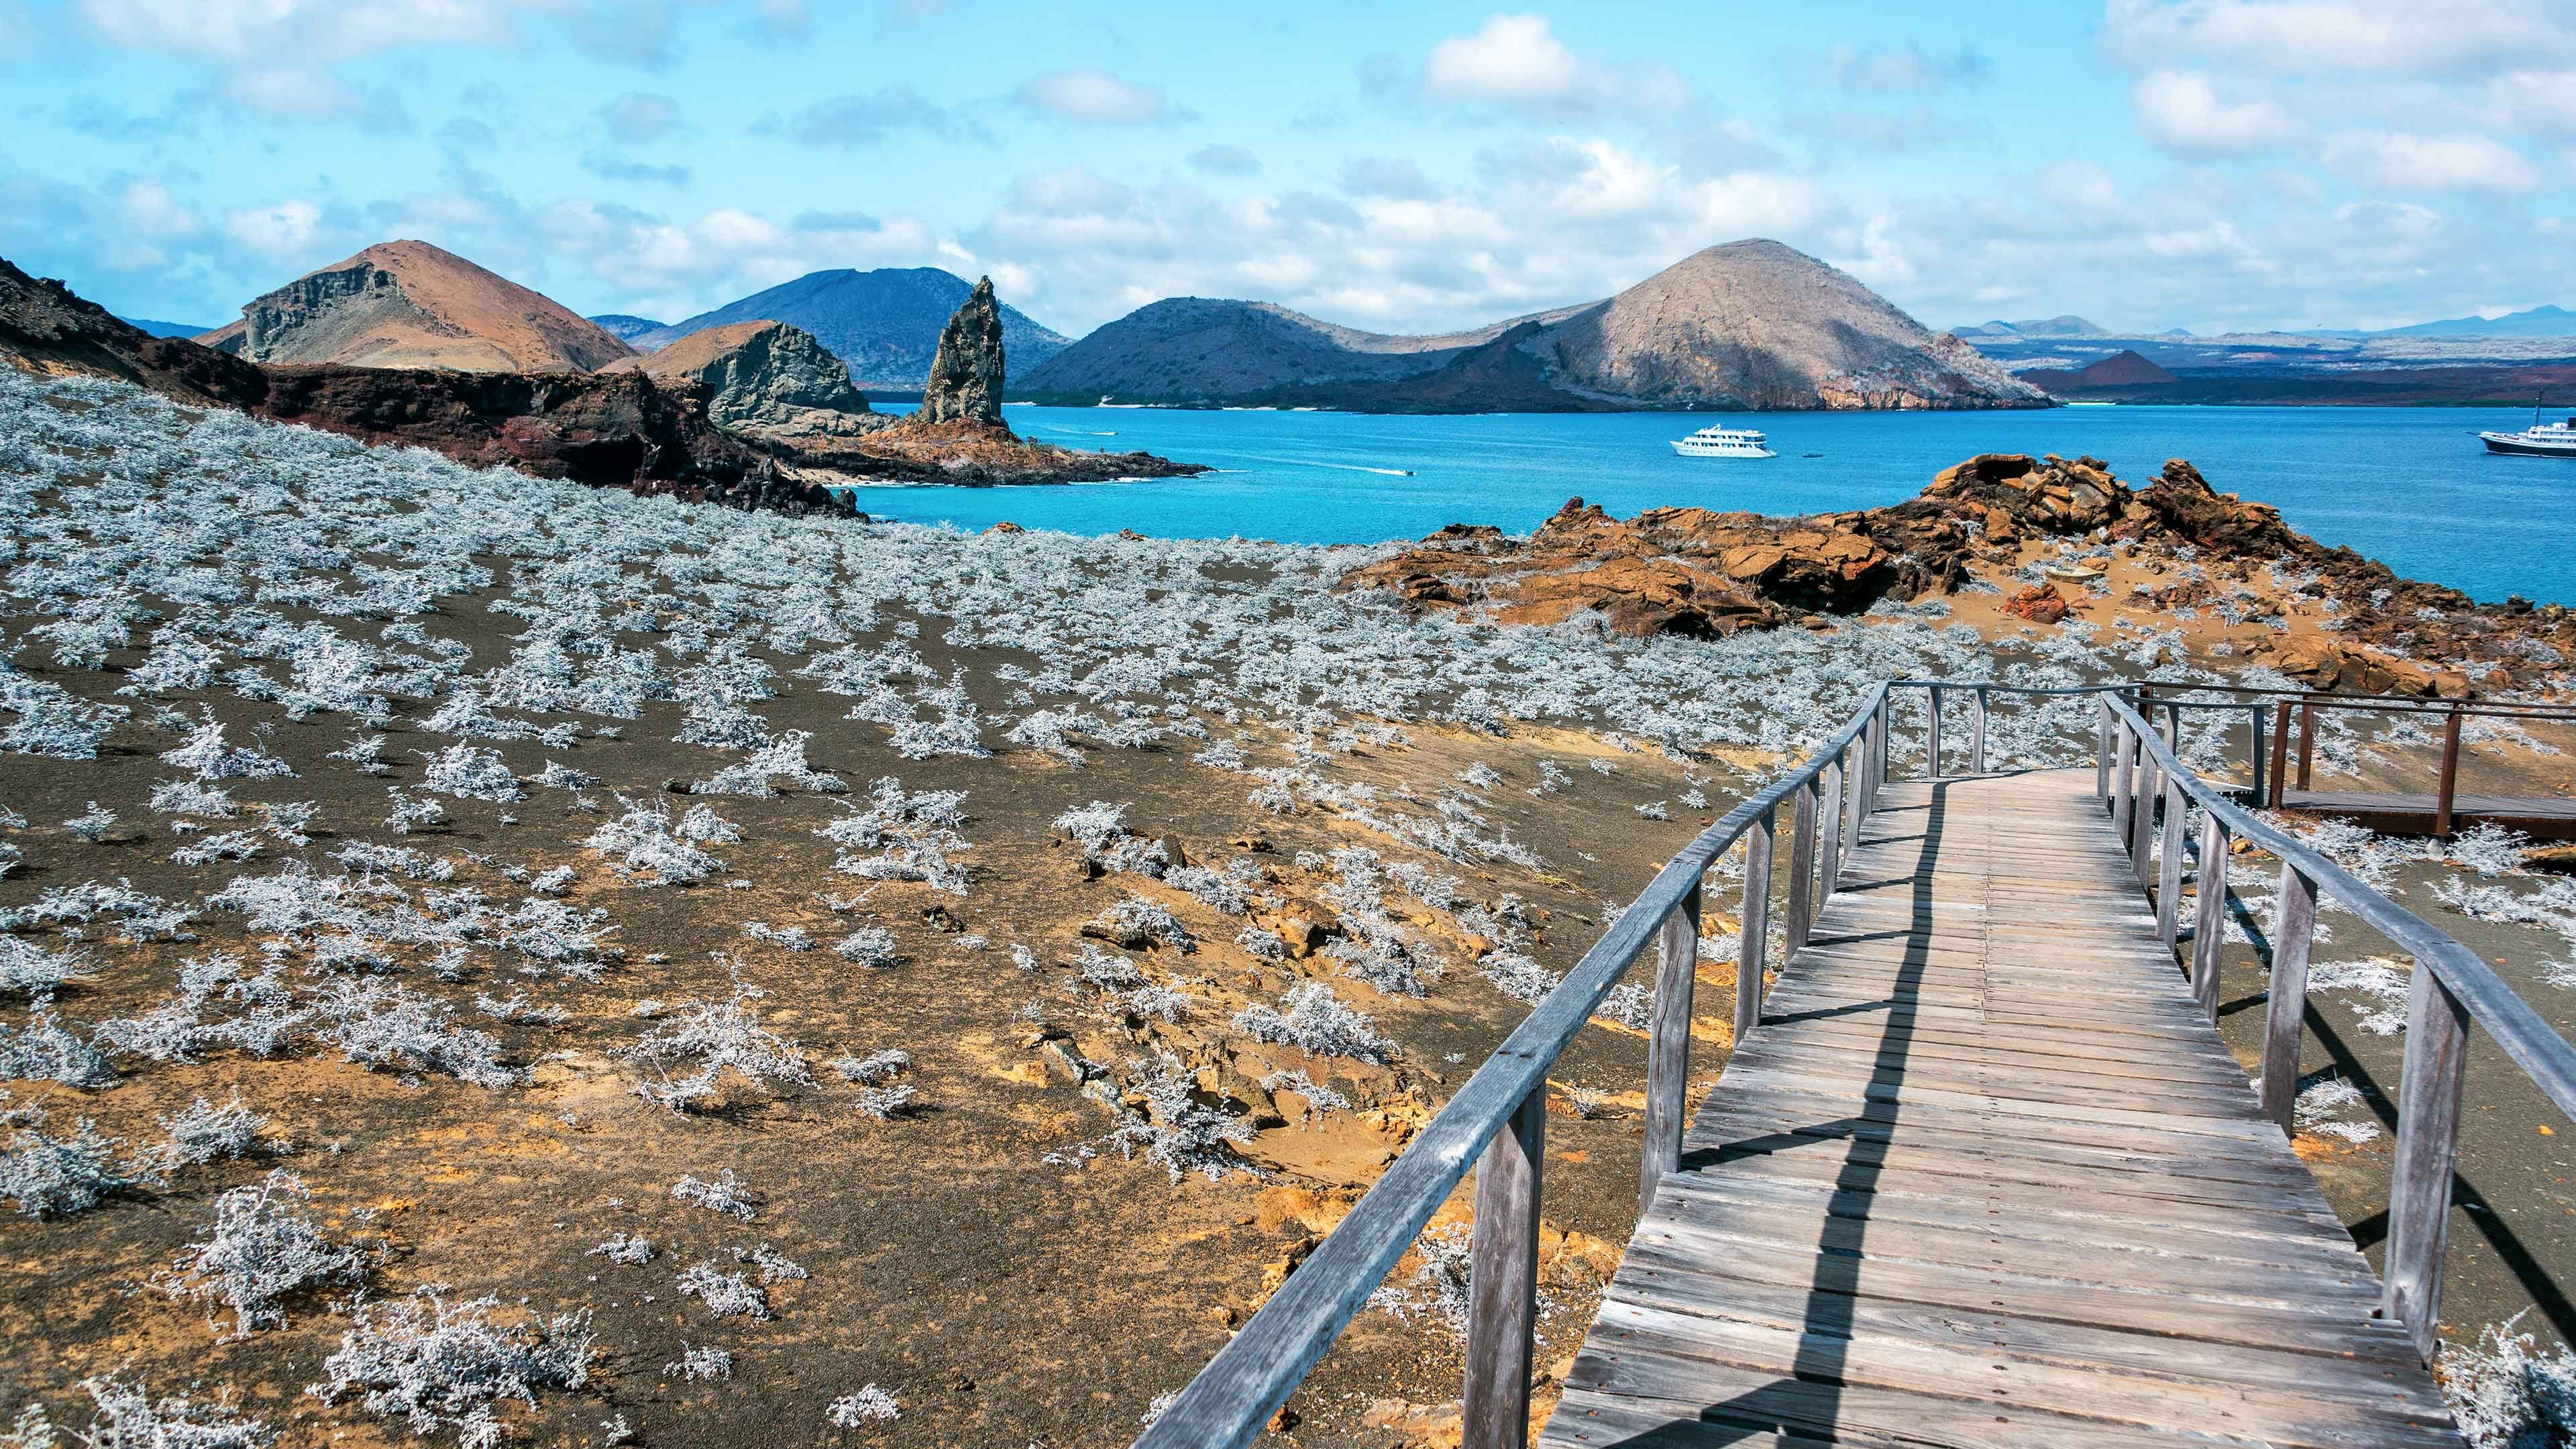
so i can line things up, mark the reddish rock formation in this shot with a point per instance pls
(2039, 603)
(1691, 571)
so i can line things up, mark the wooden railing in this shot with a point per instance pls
(2451, 988)
(1495, 1121)
(1494, 1125)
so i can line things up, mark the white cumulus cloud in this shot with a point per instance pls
(2184, 110)
(2394, 37)
(280, 229)
(1094, 95)
(1516, 60)
(2405, 162)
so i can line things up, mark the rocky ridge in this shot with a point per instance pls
(410, 304)
(1693, 571)
(612, 430)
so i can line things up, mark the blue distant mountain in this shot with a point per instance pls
(2537, 322)
(166, 329)
(625, 328)
(884, 325)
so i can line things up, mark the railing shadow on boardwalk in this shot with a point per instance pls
(1803, 1403)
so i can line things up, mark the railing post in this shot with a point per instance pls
(2255, 715)
(2428, 1150)
(1668, 1049)
(2173, 728)
(2280, 751)
(2294, 922)
(1802, 867)
(2450, 774)
(1932, 741)
(2209, 920)
(2102, 747)
(2123, 798)
(1756, 941)
(2307, 743)
(2142, 819)
(1855, 814)
(1886, 747)
(2169, 871)
(1502, 1292)
(1829, 859)
(1977, 735)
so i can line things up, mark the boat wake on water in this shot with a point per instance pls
(1317, 463)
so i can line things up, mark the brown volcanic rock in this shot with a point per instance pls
(611, 430)
(966, 372)
(973, 454)
(766, 379)
(2015, 493)
(410, 304)
(1692, 571)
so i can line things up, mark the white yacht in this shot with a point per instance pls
(2540, 440)
(1723, 443)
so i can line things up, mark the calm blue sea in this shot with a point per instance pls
(2409, 486)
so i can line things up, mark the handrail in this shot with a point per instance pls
(1239, 1389)
(2524, 1034)
(2451, 988)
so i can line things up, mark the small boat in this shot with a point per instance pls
(1723, 443)
(2540, 440)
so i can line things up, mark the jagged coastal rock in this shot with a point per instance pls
(957, 434)
(763, 379)
(884, 324)
(1752, 324)
(965, 382)
(613, 430)
(410, 304)
(1697, 572)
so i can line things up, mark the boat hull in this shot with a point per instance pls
(2503, 443)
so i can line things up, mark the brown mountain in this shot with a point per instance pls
(2125, 368)
(1752, 324)
(410, 304)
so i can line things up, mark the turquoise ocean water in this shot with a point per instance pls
(2409, 486)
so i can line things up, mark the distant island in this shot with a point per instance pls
(1749, 325)
(2461, 361)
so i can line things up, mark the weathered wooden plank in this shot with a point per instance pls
(1502, 1294)
(2428, 1147)
(2294, 922)
(1668, 1047)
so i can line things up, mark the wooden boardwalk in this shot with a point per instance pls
(1985, 1176)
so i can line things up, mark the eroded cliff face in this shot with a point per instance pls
(764, 379)
(966, 373)
(410, 304)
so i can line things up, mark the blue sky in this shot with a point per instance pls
(2209, 164)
